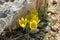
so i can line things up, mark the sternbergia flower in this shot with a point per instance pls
(33, 25)
(30, 20)
(23, 22)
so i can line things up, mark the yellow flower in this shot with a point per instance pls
(33, 25)
(35, 18)
(23, 22)
(34, 12)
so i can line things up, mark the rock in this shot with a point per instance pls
(54, 2)
(57, 36)
(52, 9)
(2, 15)
(55, 27)
(7, 11)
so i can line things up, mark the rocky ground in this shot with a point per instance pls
(53, 27)
(54, 14)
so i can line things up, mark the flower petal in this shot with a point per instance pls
(33, 25)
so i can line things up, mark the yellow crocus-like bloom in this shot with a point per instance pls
(34, 12)
(36, 19)
(33, 25)
(32, 19)
(23, 22)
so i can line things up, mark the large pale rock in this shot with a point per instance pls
(7, 11)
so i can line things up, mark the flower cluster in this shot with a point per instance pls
(32, 20)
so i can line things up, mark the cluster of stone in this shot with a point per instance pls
(8, 8)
